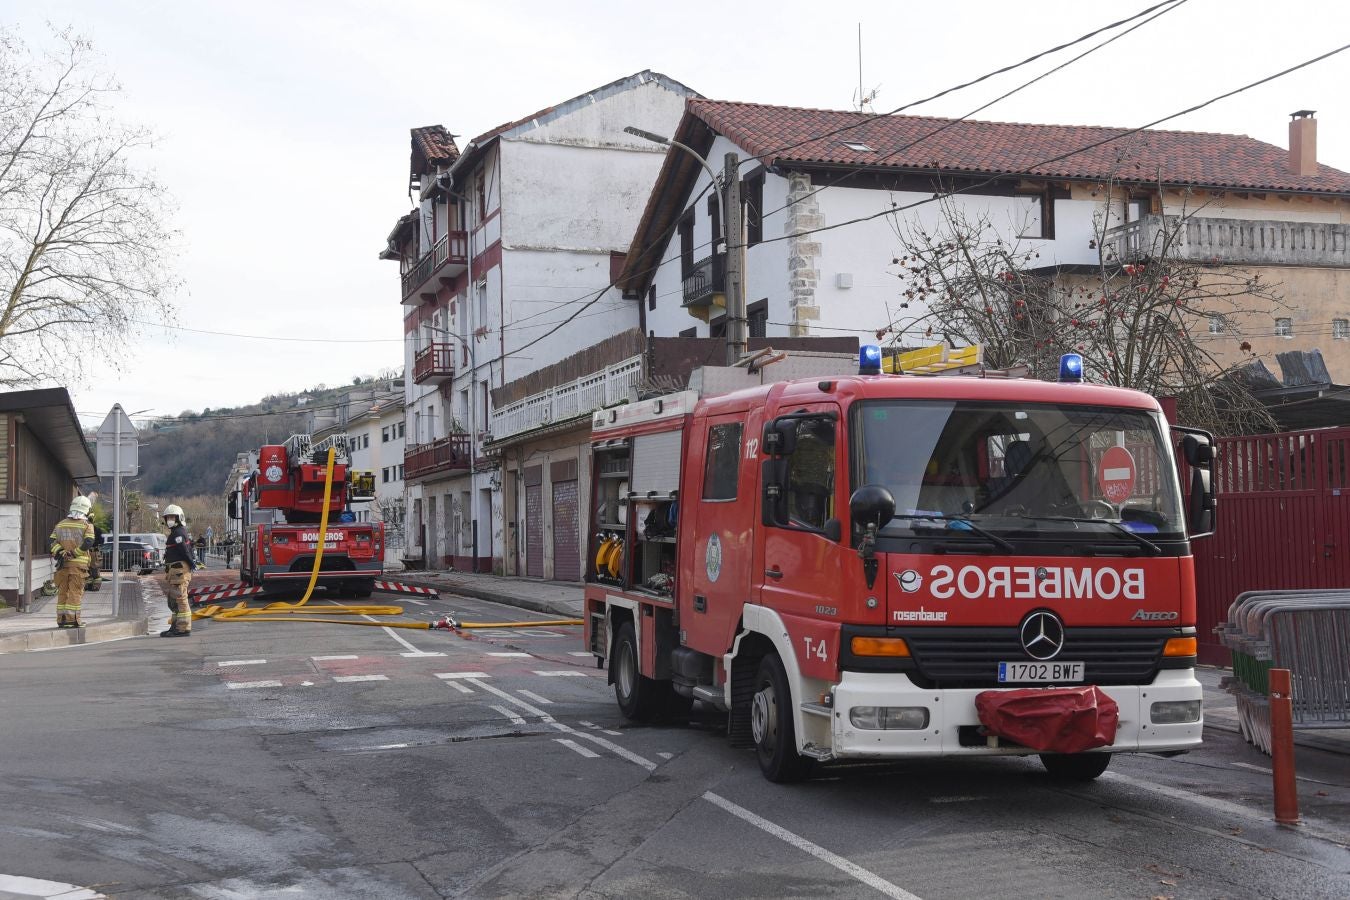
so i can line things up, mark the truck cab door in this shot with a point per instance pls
(720, 496)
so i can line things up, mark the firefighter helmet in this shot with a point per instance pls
(173, 509)
(80, 506)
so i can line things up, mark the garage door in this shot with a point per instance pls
(534, 530)
(566, 540)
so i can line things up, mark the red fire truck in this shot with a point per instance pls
(280, 504)
(876, 566)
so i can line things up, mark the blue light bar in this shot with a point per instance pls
(869, 360)
(1071, 367)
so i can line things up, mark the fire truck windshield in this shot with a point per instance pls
(1010, 468)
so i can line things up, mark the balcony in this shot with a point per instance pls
(449, 455)
(1240, 242)
(574, 399)
(434, 364)
(706, 279)
(449, 257)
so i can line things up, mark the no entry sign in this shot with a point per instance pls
(1115, 474)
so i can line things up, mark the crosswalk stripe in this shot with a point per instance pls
(347, 678)
(241, 685)
(241, 662)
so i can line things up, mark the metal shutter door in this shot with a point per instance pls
(656, 463)
(534, 530)
(566, 539)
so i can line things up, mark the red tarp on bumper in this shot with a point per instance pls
(1051, 720)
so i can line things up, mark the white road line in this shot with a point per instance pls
(23, 886)
(579, 653)
(574, 746)
(531, 695)
(242, 662)
(339, 656)
(448, 675)
(382, 747)
(348, 678)
(393, 634)
(871, 879)
(611, 747)
(534, 633)
(422, 653)
(586, 724)
(1264, 771)
(515, 719)
(665, 755)
(460, 686)
(241, 685)
(511, 698)
(560, 673)
(411, 600)
(505, 653)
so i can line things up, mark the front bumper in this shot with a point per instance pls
(950, 710)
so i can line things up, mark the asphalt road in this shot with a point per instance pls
(303, 760)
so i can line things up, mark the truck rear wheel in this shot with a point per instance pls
(771, 725)
(640, 698)
(359, 589)
(1075, 766)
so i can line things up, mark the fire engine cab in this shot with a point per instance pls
(873, 566)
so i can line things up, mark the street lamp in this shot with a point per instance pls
(729, 187)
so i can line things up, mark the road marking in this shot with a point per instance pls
(560, 673)
(411, 600)
(515, 719)
(664, 755)
(449, 675)
(348, 678)
(242, 662)
(421, 653)
(23, 886)
(241, 685)
(382, 747)
(510, 698)
(307, 684)
(339, 656)
(955, 799)
(610, 746)
(533, 633)
(1263, 770)
(413, 651)
(530, 695)
(505, 653)
(460, 686)
(871, 879)
(579, 653)
(575, 747)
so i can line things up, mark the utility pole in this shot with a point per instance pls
(737, 344)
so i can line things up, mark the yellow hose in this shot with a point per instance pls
(289, 612)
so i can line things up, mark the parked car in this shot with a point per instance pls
(157, 542)
(132, 556)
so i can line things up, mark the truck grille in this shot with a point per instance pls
(969, 657)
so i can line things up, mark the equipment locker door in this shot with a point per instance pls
(722, 498)
(566, 540)
(534, 530)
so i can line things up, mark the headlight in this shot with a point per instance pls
(1174, 712)
(889, 718)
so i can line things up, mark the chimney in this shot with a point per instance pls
(1303, 142)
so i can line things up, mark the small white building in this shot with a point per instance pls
(372, 419)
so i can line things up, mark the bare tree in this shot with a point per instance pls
(1141, 319)
(84, 243)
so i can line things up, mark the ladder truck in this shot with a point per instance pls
(866, 565)
(279, 506)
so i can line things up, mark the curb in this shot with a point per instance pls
(562, 608)
(69, 637)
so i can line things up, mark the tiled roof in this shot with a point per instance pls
(435, 144)
(1173, 157)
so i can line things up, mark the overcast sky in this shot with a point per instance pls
(285, 124)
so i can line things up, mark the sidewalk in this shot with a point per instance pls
(36, 629)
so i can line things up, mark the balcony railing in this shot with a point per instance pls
(434, 363)
(576, 398)
(452, 249)
(707, 277)
(448, 454)
(1252, 242)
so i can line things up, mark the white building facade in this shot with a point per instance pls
(506, 268)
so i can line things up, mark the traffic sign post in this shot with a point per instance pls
(118, 455)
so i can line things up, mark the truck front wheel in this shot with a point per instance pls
(639, 697)
(1075, 766)
(771, 725)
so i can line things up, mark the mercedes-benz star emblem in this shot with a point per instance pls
(1042, 635)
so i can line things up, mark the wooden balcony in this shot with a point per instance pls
(449, 257)
(448, 455)
(434, 364)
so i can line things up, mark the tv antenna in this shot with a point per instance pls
(863, 100)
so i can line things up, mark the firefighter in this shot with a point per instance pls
(71, 541)
(178, 573)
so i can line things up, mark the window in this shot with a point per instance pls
(808, 497)
(651, 297)
(1284, 327)
(757, 318)
(1216, 324)
(400, 472)
(686, 227)
(1340, 329)
(689, 332)
(718, 327)
(365, 442)
(384, 435)
(721, 467)
(858, 147)
(400, 429)
(1034, 215)
(384, 473)
(715, 220)
(752, 195)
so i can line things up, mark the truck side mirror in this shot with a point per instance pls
(780, 437)
(234, 505)
(871, 505)
(1197, 449)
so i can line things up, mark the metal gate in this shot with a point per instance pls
(534, 530)
(566, 538)
(1284, 522)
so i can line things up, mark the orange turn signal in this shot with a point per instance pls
(879, 646)
(1180, 646)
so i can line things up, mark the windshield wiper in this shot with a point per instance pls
(1152, 548)
(970, 526)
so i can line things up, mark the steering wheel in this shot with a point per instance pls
(1094, 506)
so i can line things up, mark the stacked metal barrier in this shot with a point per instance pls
(1306, 632)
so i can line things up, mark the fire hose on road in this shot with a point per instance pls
(298, 611)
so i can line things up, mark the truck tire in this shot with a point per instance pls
(359, 590)
(640, 698)
(1075, 766)
(772, 727)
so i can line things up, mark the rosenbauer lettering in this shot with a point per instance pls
(1035, 583)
